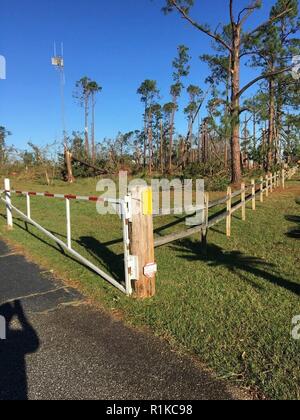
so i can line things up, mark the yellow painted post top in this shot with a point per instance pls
(148, 202)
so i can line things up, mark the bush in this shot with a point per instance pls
(217, 183)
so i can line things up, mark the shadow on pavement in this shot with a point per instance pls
(13, 351)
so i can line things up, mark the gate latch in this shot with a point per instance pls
(133, 267)
(128, 208)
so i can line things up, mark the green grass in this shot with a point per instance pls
(232, 308)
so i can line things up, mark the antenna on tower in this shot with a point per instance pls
(58, 62)
(58, 59)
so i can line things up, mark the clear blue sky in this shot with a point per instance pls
(119, 43)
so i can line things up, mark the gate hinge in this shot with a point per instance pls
(128, 208)
(133, 267)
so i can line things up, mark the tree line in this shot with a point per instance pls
(229, 128)
(237, 133)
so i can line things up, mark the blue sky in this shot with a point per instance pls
(118, 43)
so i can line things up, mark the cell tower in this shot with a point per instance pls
(58, 62)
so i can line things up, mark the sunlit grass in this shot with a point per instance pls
(233, 307)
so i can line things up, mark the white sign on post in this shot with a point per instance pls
(150, 270)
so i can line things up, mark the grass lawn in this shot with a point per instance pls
(232, 308)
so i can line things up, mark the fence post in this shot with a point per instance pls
(8, 204)
(229, 213)
(261, 189)
(267, 185)
(253, 194)
(283, 179)
(142, 241)
(243, 199)
(68, 214)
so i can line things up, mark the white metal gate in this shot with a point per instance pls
(123, 207)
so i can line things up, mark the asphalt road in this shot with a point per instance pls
(59, 347)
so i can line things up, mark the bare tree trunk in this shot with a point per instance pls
(86, 129)
(245, 159)
(278, 137)
(161, 148)
(68, 160)
(271, 129)
(235, 107)
(254, 129)
(47, 177)
(204, 142)
(199, 144)
(145, 138)
(93, 130)
(226, 155)
(227, 110)
(150, 141)
(171, 139)
(264, 147)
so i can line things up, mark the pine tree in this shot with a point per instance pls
(94, 88)
(232, 43)
(83, 95)
(181, 70)
(149, 93)
(3, 135)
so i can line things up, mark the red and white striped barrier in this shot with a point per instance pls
(61, 196)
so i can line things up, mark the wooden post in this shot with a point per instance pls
(253, 194)
(243, 199)
(229, 214)
(261, 189)
(267, 185)
(142, 241)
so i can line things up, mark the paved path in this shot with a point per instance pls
(58, 347)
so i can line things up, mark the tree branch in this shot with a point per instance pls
(270, 21)
(231, 13)
(262, 77)
(249, 10)
(198, 111)
(244, 109)
(200, 27)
